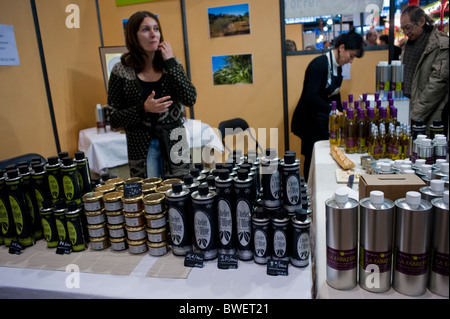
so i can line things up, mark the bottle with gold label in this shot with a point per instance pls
(397, 147)
(342, 124)
(333, 125)
(361, 130)
(350, 136)
(382, 141)
(374, 145)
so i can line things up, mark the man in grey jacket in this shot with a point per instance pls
(426, 63)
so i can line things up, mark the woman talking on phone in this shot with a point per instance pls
(147, 92)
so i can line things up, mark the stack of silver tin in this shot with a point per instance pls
(403, 244)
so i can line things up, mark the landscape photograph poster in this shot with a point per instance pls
(232, 69)
(229, 20)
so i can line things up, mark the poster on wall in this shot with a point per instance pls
(109, 56)
(232, 69)
(229, 20)
(8, 46)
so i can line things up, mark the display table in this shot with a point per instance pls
(321, 186)
(143, 277)
(109, 149)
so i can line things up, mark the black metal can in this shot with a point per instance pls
(280, 231)
(49, 224)
(53, 168)
(84, 173)
(290, 179)
(75, 226)
(178, 202)
(31, 202)
(39, 178)
(301, 245)
(226, 217)
(271, 182)
(71, 185)
(244, 209)
(6, 218)
(59, 211)
(19, 208)
(205, 221)
(262, 236)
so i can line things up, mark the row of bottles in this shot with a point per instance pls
(231, 213)
(24, 187)
(354, 130)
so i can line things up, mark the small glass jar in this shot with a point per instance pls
(154, 203)
(92, 201)
(156, 235)
(118, 244)
(99, 243)
(136, 233)
(98, 230)
(157, 249)
(132, 204)
(137, 246)
(156, 221)
(134, 219)
(117, 231)
(96, 217)
(115, 218)
(113, 201)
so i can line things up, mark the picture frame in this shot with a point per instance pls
(109, 56)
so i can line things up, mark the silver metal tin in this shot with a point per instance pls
(438, 281)
(434, 190)
(376, 233)
(411, 244)
(341, 239)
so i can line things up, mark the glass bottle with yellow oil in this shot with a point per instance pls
(334, 125)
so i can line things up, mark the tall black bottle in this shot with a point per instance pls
(226, 218)
(19, 208)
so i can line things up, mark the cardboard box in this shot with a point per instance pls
(394, 186)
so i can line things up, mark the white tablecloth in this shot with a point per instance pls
(322, 185)
(110, 149)
(249, 281)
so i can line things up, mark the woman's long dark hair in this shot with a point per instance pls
(352, 41)
(136, 57)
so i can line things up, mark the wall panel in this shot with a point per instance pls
(24, 114)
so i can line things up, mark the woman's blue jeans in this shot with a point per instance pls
(154, 160)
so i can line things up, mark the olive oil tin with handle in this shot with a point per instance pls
(411, 245)
(205, 221)
(341, 240)
(75, 226)
(375, 241)
(178, 207)
(244, 209)
(226, 217)
(438, 282)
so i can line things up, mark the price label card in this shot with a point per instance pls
(15, 248)
(277, 267)
(227, 261)
(132, 189)
(193, 259)
(64, 247)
